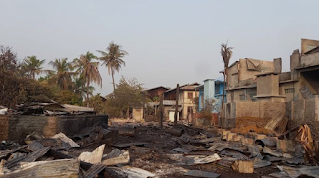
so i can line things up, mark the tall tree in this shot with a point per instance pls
(226, 53)
(15, 87)
(63, 75)
(80, 88)
(32, 65)
(113, 59)
(88, 70)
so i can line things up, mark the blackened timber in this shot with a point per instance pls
(94, 170)
(176, 106)
(161, 111)
(28, 158)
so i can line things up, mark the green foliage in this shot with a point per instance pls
(15, 86)
(63, 75)
(67, 97)
(156, 99)
(32, 66)
(87, 72)
(127, 95)
(113, 59)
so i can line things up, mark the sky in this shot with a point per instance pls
(168, 41)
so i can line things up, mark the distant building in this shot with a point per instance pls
(155, 93)
(212, 89)
(187, 93)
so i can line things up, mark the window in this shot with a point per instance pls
(217, 87)
(189, 109)
(290, 90)
(190, 95)
(242, 97)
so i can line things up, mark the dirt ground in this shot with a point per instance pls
(158, 144)
(251, 124)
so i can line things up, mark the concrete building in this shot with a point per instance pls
(259, 89)
(187, 93)
(212, 89)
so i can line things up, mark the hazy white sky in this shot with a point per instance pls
(169, 41)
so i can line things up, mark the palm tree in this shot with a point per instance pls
(226, 53)
(63, 75)
(113, 59)
(80, 89)
(33, 66)
(88, 70)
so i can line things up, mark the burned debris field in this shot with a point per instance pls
(131, 149)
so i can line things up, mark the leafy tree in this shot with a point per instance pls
(113, 59)
(32, 65)
(67, 97)
(63, 73)
(15, 86)
(48, 77)
(88, 70)
(226, 53)
(128, 94)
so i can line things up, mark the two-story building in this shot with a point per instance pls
(187, 94)
(258, 88)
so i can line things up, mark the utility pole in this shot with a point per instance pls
(176, 106)
(161, 111)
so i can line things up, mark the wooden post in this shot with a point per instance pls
(176, 106)
(161, 111)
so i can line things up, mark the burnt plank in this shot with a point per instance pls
(94, 170)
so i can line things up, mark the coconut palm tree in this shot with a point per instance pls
(113, 59)
(33, 66)
(226, 53)
(63, 73)
(80, 88)
(88, 70)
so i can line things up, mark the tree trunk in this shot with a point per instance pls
(33, 75)
(224, 90)
(113, 80)
(161, 111)
(87, 91)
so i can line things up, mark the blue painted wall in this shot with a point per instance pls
(212, 89)
(200, 97)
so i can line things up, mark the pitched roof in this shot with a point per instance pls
(157, 88)
(192, 86)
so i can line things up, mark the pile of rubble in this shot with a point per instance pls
(42, 105)
(145, 150)
(50, 157)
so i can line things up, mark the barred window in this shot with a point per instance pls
(290, 90)
(242, 97)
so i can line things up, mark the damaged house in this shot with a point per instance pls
(258, 88)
